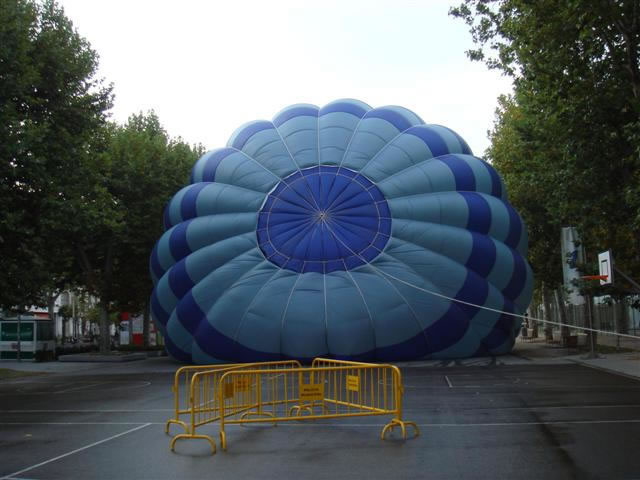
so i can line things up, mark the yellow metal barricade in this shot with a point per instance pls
(327, 389)
(321, 362)
(181, 391)
(201, 404)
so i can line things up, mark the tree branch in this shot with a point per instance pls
(85, 265)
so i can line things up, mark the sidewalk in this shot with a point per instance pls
(532, 352)
(148, 365)
(539, 351)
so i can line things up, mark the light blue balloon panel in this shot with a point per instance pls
(343, 231)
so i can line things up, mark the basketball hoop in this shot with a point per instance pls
(595, 277)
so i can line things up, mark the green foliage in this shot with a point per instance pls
(567, 140)
(146, 168)
(81, 198)
(524, 168)
(51, 105)
(121, 201)
(89, 313)
(66, 312)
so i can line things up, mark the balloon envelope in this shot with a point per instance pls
(344, 231)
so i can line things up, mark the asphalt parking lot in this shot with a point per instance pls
(477, 420)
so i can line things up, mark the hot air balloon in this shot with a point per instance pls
(344, 231)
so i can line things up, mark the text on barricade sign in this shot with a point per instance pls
(239, 384)
(353, 383)
(311, 391)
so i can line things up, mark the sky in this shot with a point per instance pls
(206, 67)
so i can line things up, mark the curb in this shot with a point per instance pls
(605, 369)
(81, 357)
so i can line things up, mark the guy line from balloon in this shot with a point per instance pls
(436, 294)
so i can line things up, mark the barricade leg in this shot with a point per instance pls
(223, 439)
(193, 435)
(259, 410)
(173, 421)
(256, 414)
(403, 426)
(307, 407)
(196, 410)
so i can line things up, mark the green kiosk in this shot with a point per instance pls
(35, 341)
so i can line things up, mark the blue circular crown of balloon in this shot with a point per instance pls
(344, 231)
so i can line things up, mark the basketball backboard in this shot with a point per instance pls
(605, 267)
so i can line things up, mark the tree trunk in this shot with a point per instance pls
(564, 331)
(145, 325)
(74, 316)
(616, 323)
(51, 307)
(624, 316)
(548, 328)
(592, 336)
(105, 299)
(105, 338)
(533, 323)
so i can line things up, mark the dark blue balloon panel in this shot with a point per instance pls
(322, 219)
(343, 231)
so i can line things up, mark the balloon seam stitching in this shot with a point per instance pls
(413, 313)
(295, 162)
(419, 165)
(394, 287)
(244, 314)
(255, 161)
(384, 274)
(386, 144)
(366, 306)
(326, 319)
(248, 235)
(239, 278)
(286, 308)
(353, 132)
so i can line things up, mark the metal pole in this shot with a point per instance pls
(626, 277)
(615, 324)
(18, 334)
(592, 342)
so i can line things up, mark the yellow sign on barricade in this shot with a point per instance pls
(278, 392)
(353, 383)
(310, 392)
(242, 384)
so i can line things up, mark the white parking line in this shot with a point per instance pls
(448, 381)
(146, 410)
(79, 423)
(524, 424)
(582, 388)
(455, 425)
(32, 467)
(165, 410)
(339, 425)
(49, 388)
(556, 407)
(81, 387)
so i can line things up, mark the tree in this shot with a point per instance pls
(523, 164)
(567, 140)
(122, 201)
(160, 166)
(81, 198)
(51, 105)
